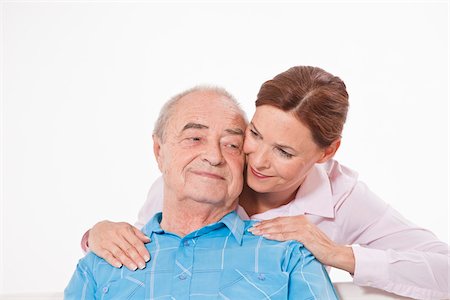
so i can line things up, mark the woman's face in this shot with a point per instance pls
(280, 151)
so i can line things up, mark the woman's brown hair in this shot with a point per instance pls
(317, 98)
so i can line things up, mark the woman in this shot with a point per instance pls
(301, 193)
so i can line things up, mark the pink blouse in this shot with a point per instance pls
(391, 253)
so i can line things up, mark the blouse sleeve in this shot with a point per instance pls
(153, 204)
(392, 253)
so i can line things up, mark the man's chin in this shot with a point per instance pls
(209, 199)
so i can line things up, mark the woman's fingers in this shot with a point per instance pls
(119, 244)
(131, 243)
(268, 229)
(300, 229)
(140, 247)
(128, 254)
(278, 225)
(281, 236)
(109, 257)
(265, 223)
(120, 253)
(145, 239)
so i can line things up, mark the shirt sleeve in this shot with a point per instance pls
(153, 204)
(308, 279)
(392, 253)
(82, 285)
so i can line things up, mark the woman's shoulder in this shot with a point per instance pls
(348, 190)
(337, 171)
(351, 195)
(337, 178)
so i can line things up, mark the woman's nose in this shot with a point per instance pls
(259, 159)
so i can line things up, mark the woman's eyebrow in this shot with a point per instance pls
(275, 144)
(255, 129)
(285, 147)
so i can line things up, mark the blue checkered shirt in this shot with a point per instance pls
(219, 261)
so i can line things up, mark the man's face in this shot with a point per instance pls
(201, 155)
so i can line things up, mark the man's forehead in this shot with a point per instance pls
(206, 110)
(207, 116)
(207, 100)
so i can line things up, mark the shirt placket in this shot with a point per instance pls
(183, 269)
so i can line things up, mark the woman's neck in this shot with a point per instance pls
(256, 203)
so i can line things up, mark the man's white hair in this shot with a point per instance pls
(168, 107)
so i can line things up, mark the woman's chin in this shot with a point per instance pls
(259, 187)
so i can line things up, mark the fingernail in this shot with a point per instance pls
(146, 258)
(141, 266)
(133, 267)
(250, 229)
(118, 265)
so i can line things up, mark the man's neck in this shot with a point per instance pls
(184, 217)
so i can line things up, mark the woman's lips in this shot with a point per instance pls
(258, 175)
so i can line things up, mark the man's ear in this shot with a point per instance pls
(330, 151)
(157, 151)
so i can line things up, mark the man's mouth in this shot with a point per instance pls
(209, 175)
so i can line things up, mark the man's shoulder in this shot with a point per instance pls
(95, 265)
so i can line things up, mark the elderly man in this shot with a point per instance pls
(200, 247)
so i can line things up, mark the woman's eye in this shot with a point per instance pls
(253, 133)
(284, 153)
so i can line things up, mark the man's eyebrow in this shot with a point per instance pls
(194, 126)
(235, 131)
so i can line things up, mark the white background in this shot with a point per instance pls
(83, 81)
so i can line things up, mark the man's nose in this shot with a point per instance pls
(213, 154)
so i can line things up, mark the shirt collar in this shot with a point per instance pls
(231, 220)
(235, 225)
(153, 225)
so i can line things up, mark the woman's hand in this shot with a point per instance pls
(119, 244)
(300, 229)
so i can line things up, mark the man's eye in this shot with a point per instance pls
(191, 141)
(234, 146)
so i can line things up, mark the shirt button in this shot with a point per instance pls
(182, 277)
(186, 243)
(105, 289)
(261, 277)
